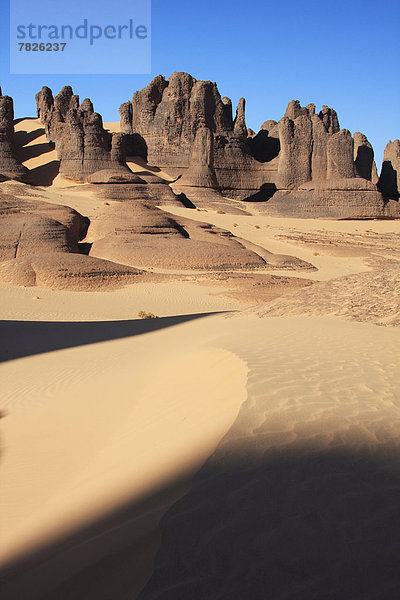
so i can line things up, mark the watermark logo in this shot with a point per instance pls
(80, 37)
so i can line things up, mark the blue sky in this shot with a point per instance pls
(343, 53)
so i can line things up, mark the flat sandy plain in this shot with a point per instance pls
(244, 444)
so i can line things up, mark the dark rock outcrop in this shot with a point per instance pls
(340, 155)
(330, 119)
(10, 167)
(167, 115)
(83, 146)
(296, 146)
(389, 181)
(239, 125)
(364, 163)
(319, 157)
(322, 171)
(201, 171)
(339, 199)
(184, 127)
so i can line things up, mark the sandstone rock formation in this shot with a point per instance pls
(71, 272)
(167, 115)
(239, 125)
(364, 163)
(330, 119)
(201, 170)
(10, 167)
(338, 199)
(318, 165)
(141, 235)
(30, 226)
(184, 127)
(340, 155)
(189, 131)
(296, 146)
(83, 146)
(389, 181)
(39, 246)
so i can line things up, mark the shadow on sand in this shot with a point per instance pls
(293, 524)
(24, 338)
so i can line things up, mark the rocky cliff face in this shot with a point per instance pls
(322, 169)
(166, 116)
(10, 167)
(187, 129)
(83, 146)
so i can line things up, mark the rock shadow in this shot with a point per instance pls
(26, 338)
(265, 193)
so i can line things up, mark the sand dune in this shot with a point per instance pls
(130, 413)
(306, 477)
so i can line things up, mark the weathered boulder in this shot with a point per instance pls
(71, 272)
(389, 181)
(10, 167)
(30, 227)
(39, 246)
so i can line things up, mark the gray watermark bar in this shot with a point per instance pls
(80, 37)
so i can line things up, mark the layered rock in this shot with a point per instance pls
(172, 117)
(83, 146)
(31, 226)
(71, 272)
(10, 167)
(354, 198)
(141, 235)
(39, 246)
(184, 127)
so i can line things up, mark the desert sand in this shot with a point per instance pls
(244, 444)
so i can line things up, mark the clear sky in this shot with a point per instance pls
(345, 54)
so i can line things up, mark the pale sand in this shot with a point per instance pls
(106, 423)
(322, 401)
(107, 412)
